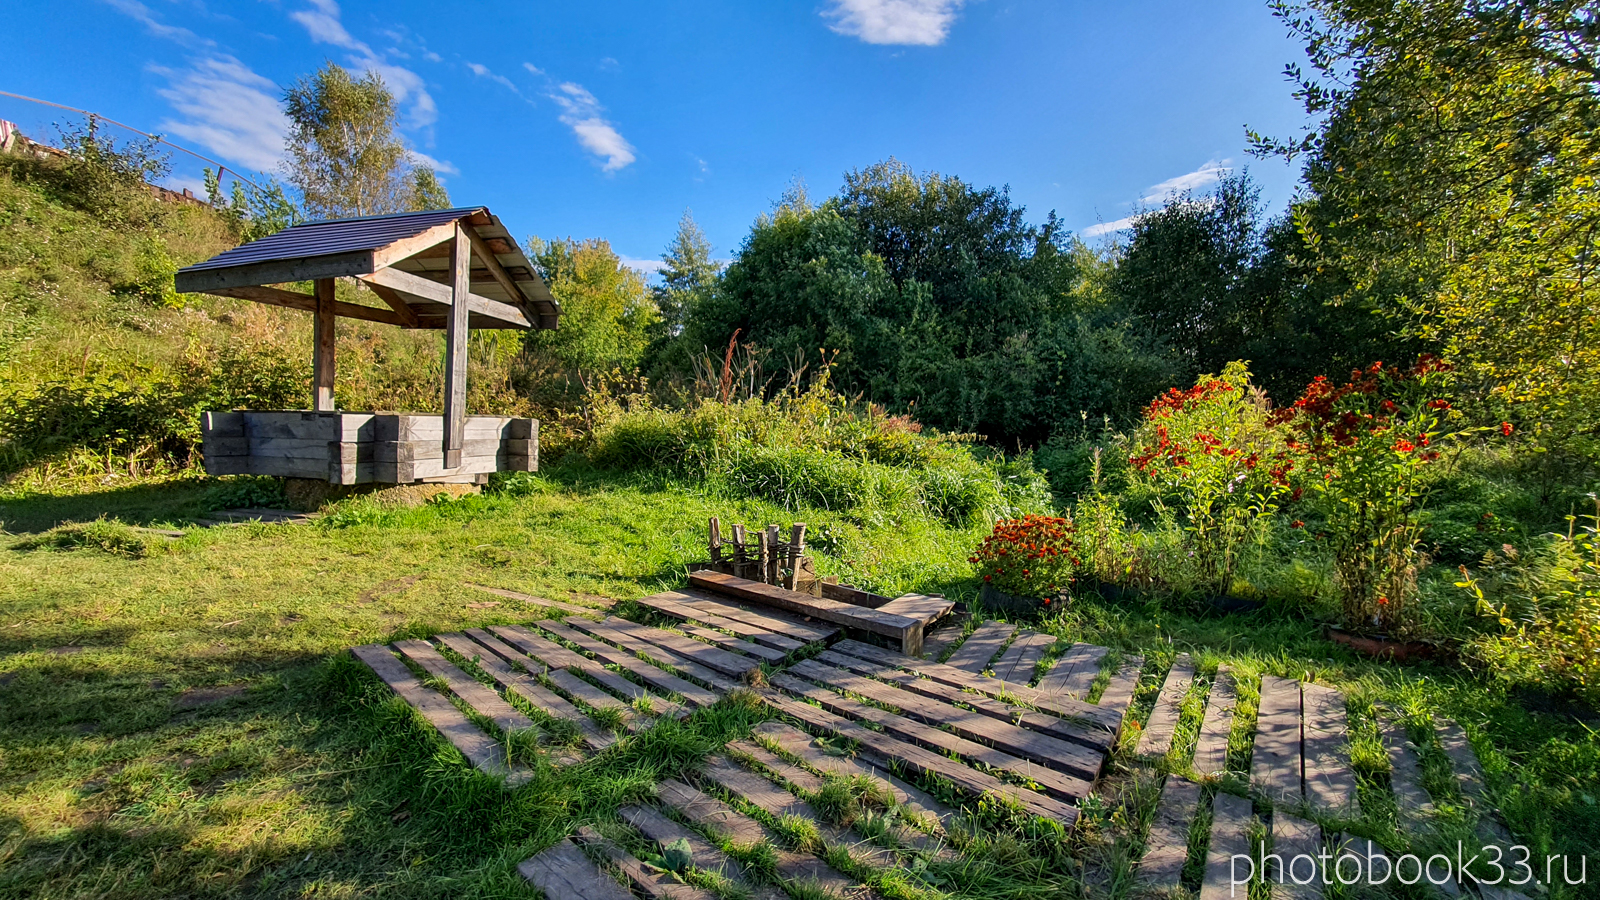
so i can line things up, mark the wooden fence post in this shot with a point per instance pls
(455, 354)
(322, 360)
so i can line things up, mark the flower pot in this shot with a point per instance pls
(996, 599)
(1381, 646)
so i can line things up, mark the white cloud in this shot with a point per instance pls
(431, 56)
(322, 22)
(142, 13)
(647, 266)
(439, 166)
(533, 69)
(582, 113)
(1107, 227)
(922, 22)
(1211, 172)
(483, 71)
(229, 109)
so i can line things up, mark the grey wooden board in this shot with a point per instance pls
(627, 638)
(733, 644)
(1074, 672)
(889, 749)
(1020, 659)
(934, 644)
(1293, 836)
(980, 646)
(493, 663)
(1211, 747)
(775, 622)
(802, 746)
(1405, 772)
(557, 656)
(1457, 747)
(688, 648)
(681, 606)
(475, 693)
(653, 885)
(1059, 785)
(540, 696)
(1037, 746)
(922, 607)
(1230, 820)
(582, 691)
(1325, 736)
(718, 818)
(563, 873)
(1066, 707)
(692, 693)
(1275, 762)
(901, 628)
(780, 802)
(707, 858)
(482, 751)
(801, 778)
(1087, 734)
(542, 601)
(1167, 847)
(1124, 683)
(1156, 739)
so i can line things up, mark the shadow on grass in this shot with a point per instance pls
(148, 504)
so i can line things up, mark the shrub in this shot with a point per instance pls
(1034, 556)
(152, 279)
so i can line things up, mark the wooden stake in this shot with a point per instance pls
(455, 354)
(773, 573)
(716, 544)
(797, 549)
(322, 360)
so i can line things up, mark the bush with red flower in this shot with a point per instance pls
(1217, 464)
(1366, 443)
(1034, 556)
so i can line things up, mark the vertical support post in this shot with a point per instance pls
(455, 350)
(715, 545)
(322, 360)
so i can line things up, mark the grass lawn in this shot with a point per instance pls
(182, 719)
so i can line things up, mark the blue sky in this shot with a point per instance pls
(609, 119)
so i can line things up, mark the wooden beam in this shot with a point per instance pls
(322, 367)
(455, 354)
(401, 308)
(294, 300)
(425, 291)
(278, 271)
(405, 248)
(499, 273)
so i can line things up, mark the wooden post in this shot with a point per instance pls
(322, 360)
(797, 549)
(774, 570)
(716, 544)
(741, 555)
(455, 350)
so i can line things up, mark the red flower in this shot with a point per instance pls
(1297, 524)
(1506, 429)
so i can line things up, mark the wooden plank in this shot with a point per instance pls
(1211, 748)
(933, 644)
(540, 601)
(886, 749)
(514, 294)
(1057, 784)
(692, 693)
(981, 646)
(1457, 747)
(482, 751)
(626, 639)
(1294, 837)
(653, 885)
(1124, 683)
(1074, 673)
(1064, 707)
(844, 593)
(785, 770)
(405, 247)
(558, 657)
(277, 271)
(402, 309)
(1167, 846)
(1275, 766)
(679, 606)
(716, 817)
(475, 693)
(805, 632)
(272, 296)
(563, 873)
(1405, 772)
(493, 660)
(706, 655)
(925, 608)
(908, 798)
(1022, 657)
(707, 857)
(1230, 822)
(778, 802)
(734, 644)
(900, 628)
(1073, 746)
(1325, 738)
(414, 288)
(1163, 723)
(323, 357)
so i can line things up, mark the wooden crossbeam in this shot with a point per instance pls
(306, 302)
(424, 291)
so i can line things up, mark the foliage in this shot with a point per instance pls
(688, 276)
(1213, 451)
(344, 155)
(105, 177)
(106, 535)
(1034, 556)
(255, 211)
(1547, 607)
(1453, 176)
(607, 313)
(152, 281)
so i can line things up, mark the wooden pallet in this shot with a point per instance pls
(771, 636)
(904, 630)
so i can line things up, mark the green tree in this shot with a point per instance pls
(607, 312)
(344, 155)
(688, 275)
(1453, 173)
